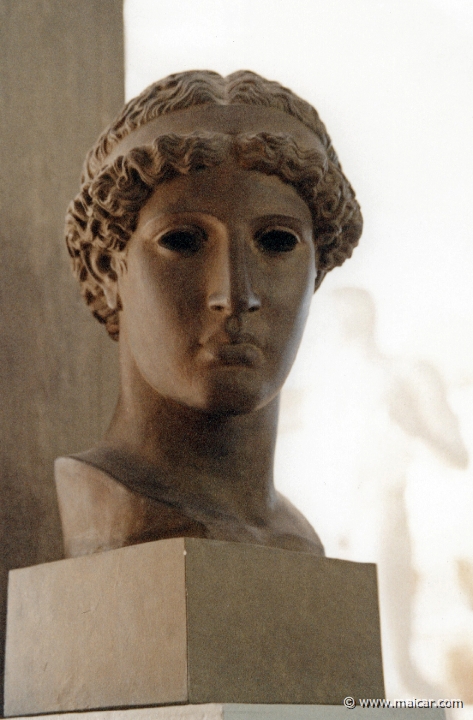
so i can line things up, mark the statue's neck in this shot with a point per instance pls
(225, 460)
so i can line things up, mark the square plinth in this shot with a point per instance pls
(191, 621)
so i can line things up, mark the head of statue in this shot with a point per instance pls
(209, 212)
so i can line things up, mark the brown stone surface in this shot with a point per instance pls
(282, 627)
(249, 624)
(102, 631)
(61, 81)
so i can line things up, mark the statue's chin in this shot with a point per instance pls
(233, 393)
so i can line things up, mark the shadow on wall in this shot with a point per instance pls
(460, 657)
(412, 399)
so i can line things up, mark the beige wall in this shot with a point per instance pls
(61, 81)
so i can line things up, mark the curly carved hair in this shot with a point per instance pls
(104, 215)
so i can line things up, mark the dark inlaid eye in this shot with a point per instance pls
(186, 242)
(277, 241)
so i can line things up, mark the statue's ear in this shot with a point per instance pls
(318, 278)
(106, 268)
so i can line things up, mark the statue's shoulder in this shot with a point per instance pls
(99, 512)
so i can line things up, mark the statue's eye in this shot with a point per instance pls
(186, 242)
(277, 241)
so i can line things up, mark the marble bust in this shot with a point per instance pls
(209, 213)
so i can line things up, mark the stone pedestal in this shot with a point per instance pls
(191, 621)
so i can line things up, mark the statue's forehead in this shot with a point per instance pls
(227, 119)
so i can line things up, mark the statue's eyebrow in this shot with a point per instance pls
(281, 218)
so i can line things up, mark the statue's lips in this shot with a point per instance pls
(240, 353)
(232, 347)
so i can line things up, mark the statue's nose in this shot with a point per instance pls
(231, 289)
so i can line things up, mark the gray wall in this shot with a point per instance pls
(61, 82)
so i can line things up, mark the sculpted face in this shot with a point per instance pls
(215, 288)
